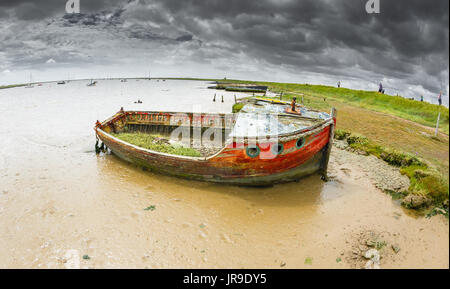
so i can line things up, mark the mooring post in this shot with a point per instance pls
(326, 158)
(222, 98)
(437, 125)
(214, 99)
(235, 99)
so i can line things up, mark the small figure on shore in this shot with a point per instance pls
(380, 88)
(440, 98)
(293, 103)
(421, 98)
(339, 84)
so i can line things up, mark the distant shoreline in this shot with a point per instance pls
(194, 79)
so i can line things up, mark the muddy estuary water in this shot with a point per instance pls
(59, 201)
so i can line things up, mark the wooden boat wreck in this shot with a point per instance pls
(238, 158)
(239, 87)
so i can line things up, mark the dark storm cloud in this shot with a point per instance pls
(405, 33)
(407, 42)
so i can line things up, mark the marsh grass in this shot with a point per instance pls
(152, 142)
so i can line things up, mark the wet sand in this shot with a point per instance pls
(60, 201)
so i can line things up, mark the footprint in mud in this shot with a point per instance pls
(346, 171)
(48, 209)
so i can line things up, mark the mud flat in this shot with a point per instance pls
(62, 206)
(130, 218)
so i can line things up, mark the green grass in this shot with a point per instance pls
(150, 142)
(424, 180)
(150, 208)
(12, 86)
(237, 107)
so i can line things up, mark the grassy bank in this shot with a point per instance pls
(11, 86)
(155, 143)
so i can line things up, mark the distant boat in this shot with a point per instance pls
(93, 83)
(240, 87)
(123, 80)
(61, 82)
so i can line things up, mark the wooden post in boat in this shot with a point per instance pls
(326, 158)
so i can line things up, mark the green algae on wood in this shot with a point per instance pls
(152, 142)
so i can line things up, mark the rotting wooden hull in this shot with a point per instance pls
(303, 153)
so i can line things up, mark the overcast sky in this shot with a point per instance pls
(405, 46)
